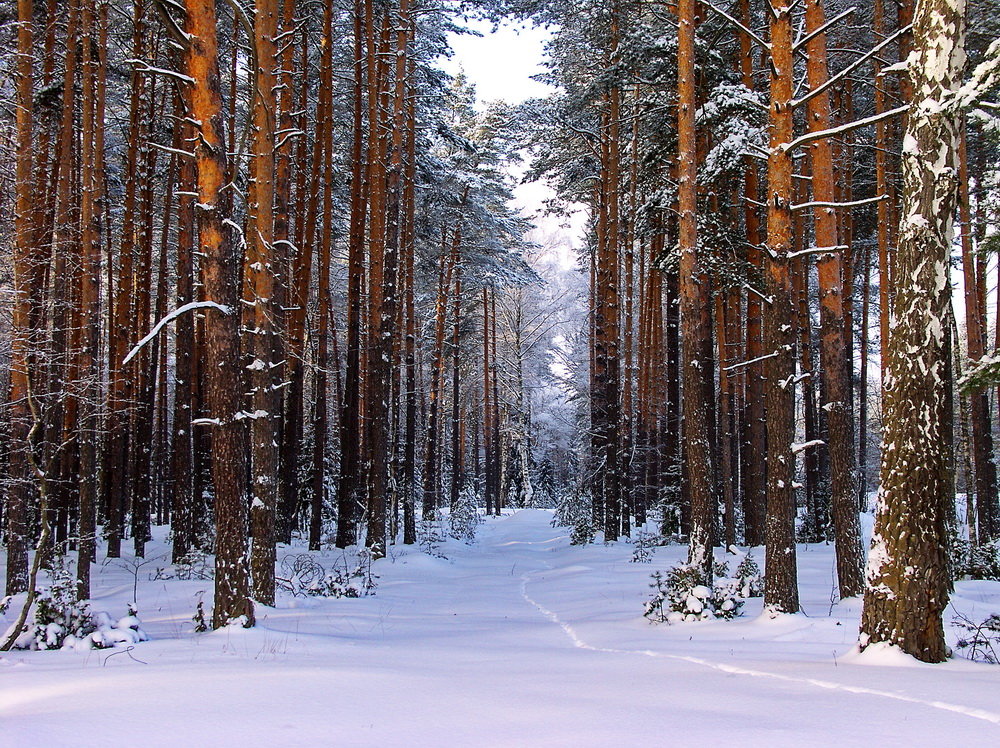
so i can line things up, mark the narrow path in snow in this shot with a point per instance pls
(580, 643)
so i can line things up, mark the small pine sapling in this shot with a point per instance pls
(464, 519)
(644, 547)
(747, 573)
(679, 595)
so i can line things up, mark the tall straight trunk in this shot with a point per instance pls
(161, 462)
(286, 251)
(849, 257)
(699, 485)
(457, 468)
(122, 388)
(609, 308)
(382, 363)
(753, 469)
(320, 435)
(816, 505)
(182, 521)
(432, 464)
(670, 431)
(90, 312)
(780, 584)
(883, 186)
(605, 396)
(299, 279)
(410, 352)
(60, 415)
(979, 404)
(260, 289)
(866, 275)
(17, 509)
(488, 488)
(629, 463)
(219, 264)
(496, 438)
(351, 485)
(143, 368)
(907, 575)
(726, 331)
(833, 343)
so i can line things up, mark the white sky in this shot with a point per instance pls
(501, 64)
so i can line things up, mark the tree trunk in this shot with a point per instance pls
(834, 360)
(780, 584)
(907, 575)
(695, 312)
(261, 286)
(223, 378)
(19, 496)
(979, 403)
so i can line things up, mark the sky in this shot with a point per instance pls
(501, 64)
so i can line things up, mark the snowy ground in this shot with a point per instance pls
(516, 640)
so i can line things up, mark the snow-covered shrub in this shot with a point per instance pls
(58, 615)
(976, 562)
(981, 640)
(680, 595)
(63, 622)
(431, 534)
(344, 581)
(464, 519)
(669, 506)
(747, 573)
(573, 511)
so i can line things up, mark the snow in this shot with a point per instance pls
(517, 639)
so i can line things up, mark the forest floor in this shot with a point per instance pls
(517, 639)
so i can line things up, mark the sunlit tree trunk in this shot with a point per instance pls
(780, 583)
(223, 378)
(695, 311)
(260, 289)
(833, 356)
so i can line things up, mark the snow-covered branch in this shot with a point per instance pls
(827, 204)
(846, 127)
(835, 79)
(194, 305)
(738, 25)
(801, 43)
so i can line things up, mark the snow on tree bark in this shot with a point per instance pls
(780, 583)
(694, 309)
(18, 497)
(907, 575)
(222, 354)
